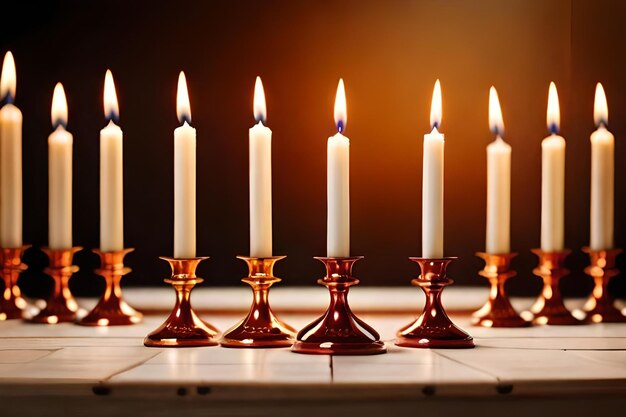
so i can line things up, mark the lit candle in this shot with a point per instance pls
(59, 175)
(184, 176)
(602, 176)
(552, 179)
(338, 182)
(432, 183)
(260, 179)
(498, 182)
(10, 160)
(111, 174)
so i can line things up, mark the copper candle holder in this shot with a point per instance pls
(260, 328)
(497, 311)
(111, 310)
(183, 328)
(600, 307)
(549, 307)
(338, 331)
(11, 304)
(61, 307)
(433, 329)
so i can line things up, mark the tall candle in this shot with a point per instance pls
(111, 174)
(59, 175)
(552, 179)
(260, 179)
(338, 182)
(602, 176)
(10, 160)
(498, 182)
(432, 182)
(184, 176)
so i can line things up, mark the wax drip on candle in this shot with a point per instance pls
(554, 114)
(496, 123)
(435, 107)
(8, 79)
(59, 107)
(341, 113)
(183, 109)
(111, 107)
(600, 108)
(259, 108)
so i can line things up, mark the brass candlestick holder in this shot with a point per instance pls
(61, 307)
(549, 307)
(600, 307)
(111, 310)
(433, 329)
(260, 328)
(183, 328)
(338, 331)
(11, 304)
(497, 311)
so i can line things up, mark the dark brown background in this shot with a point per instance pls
(389, 54)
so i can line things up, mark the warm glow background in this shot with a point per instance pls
(389, 54)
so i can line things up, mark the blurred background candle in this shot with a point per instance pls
(111, 174)
(10, 159)
(602, 176)
(498, 182)
(432, 182)
(338, 182)
(59, 175)
(260, 179)
(552, 179)
(184, 176)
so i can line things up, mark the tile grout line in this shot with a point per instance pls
(129, 367)
(498, 380)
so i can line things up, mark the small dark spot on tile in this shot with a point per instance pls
(101, 390)
(204, 390)
(182, 392)
(429, 390)
(504, 389)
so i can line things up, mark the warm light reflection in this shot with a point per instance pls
(435, 107)
(111, 108)
(183, 109)
(7, 80)
(259, 108)
(554, 114)
(59, 106)
(341, 111)
(496, 124)
(600, 108)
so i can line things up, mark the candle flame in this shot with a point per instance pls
(600, 108)
(554, 113)
(496, 124)
(183, 109)
(7, 80)
(111, 108)
(259, 108)
(435, 107)
(341, 111)
(59, 107)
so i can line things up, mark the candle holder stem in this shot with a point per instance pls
(183, 328)
(433, 329)
(61, 307)
(111, 310)
(338, 331)
(12, 304)
(497, 311)
(600, 306)
(261, 327)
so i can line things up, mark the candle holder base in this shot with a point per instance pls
(11, 304)
(260, 328)
(338, 331)
(183, 328)
(498, 311)
(112, 310)
(61, 307)
(433, 329)
(549, 308)
(600, 306)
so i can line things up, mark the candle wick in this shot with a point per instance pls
(8, 98)
(554, 128)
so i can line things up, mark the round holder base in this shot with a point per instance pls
(433, 329)
(11, 303)
(260, 328)
(338, 331)
(183, 328)
(600, 306)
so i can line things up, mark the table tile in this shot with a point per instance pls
(21, 355)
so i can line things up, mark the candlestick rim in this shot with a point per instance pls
(506, 254)
(196, 258)
(611, 251)
(261, 258)
(445, 258)
(338, 258)
(19, 248)
(125, 251)
(73, 249)
(540, 252)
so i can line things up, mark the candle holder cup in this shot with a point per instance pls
(11, 304)
(111, 309)
(61, 307)
(497, 311)
(260, 328)
(338, 331)
(433, 329)
(549, 307)
(600, 307)
(183, 328)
